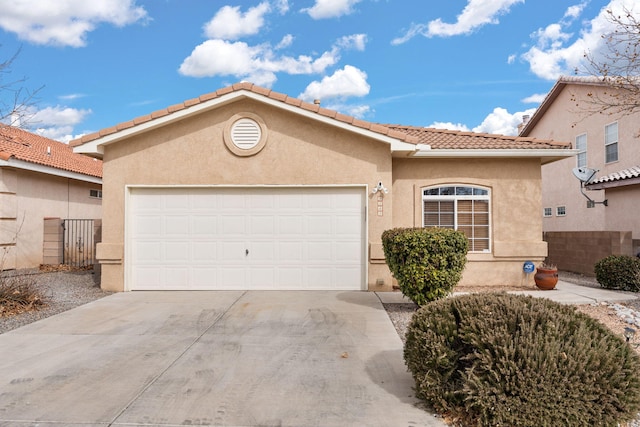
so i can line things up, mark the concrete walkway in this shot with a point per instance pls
(210, 358)
(566, 293)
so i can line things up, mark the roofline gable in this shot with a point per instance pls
(558, 87)
(93, 144)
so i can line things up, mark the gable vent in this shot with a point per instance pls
(245, 134)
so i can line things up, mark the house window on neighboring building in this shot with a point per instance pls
(581, 146)
(611, 142)
(462, 208)
(548, 212)
(561, 211)
(96, 194)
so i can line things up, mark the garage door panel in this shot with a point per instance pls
(204, 277)
(232, 251)
(147, 225)
(204, 251)
(148, 252)
(319, 251)
(290, 225)
(233, 225)
(204, 225)
(291, 250)
(346, 252)
(262, 225)
(198, 238)
(319, 224)
(177, 225)
(176, 252)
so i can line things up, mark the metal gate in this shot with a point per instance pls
(78, 242)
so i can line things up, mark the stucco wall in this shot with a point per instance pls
(516, 226)
(563, 121)
(30, 197)
(192, 152)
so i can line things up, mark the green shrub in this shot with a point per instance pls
(619, 272)
(426, 262)
(509, 360)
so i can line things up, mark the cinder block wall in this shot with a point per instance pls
(578, 251)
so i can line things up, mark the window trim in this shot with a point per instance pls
(455, 198)
(545, 214)
(98, 193)
(581, 151)
(564, 209)
(611, 143)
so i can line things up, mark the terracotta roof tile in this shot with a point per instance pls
(632, 172)
(29, 147)
(436, 138)
(449, 139)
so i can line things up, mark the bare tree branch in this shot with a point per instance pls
(16, 101)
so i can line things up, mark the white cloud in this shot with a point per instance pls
(358, 111)
(331, 8)
(55, 122)
(229, 23)
(65, 22)
(501, 122)
(260, 64)
(354, 41)
(344, 83)
(282, 6)
(536, 98)
(449, 126)
(285, 42)
(552, 55)
(476, 14)
(71, 96)
(58, 116)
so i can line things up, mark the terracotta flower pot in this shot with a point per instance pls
(546, 278)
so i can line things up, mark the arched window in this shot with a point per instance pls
(464, 208)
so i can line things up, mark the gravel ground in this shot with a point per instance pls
(62, 291)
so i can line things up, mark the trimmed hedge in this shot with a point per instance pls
(619, 272)
(426, 262)
(509, 360)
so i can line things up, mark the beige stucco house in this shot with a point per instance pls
(607, 143)
(41, 178)
(247, 188)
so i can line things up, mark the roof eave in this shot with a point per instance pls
(613, 184)
(95, 147)
(34, 167)
(545, 155)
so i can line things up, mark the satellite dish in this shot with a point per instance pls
(584, 174)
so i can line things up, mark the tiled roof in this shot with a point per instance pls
(437, 139)
(451, 139)
(315, 108)
(26, 146)
(632, 172)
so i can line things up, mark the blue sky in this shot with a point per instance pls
(476, 65)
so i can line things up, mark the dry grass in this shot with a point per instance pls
(18, 295)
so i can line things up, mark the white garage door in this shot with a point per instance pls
(246, 238)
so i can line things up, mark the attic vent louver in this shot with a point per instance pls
(245, 134)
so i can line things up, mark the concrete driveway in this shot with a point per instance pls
(211, 358)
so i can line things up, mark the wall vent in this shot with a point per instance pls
(245, 133)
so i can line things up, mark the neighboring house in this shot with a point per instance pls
(605, 142)
(41, 178)
(247, 188)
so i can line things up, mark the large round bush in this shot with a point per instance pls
(619, 272)
(498, 359)
(426, 262)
